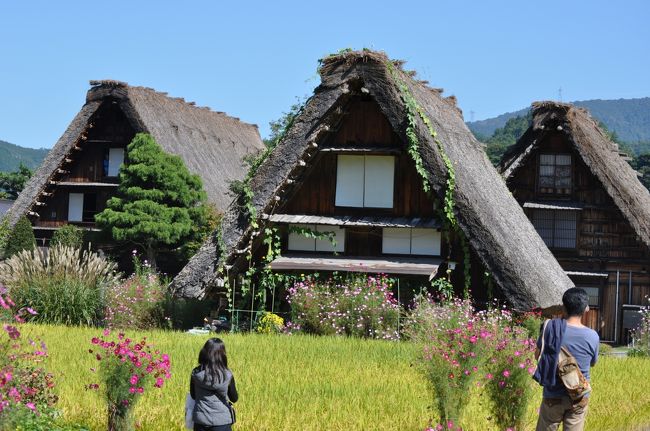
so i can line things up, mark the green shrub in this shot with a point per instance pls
(605, 349)
(20, 418)
(68, 236)
(65, 285)
(270, 323)
(20, 238)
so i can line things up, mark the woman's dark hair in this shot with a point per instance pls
(213, 359)
(575, 301)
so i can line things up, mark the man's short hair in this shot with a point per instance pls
(575, 301)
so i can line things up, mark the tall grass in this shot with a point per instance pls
(65, 284)
(309, 383)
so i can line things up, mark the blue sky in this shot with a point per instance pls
(253, 59)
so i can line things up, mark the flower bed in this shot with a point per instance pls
(357, 305)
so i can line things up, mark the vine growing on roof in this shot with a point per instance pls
(271, 238)
(414, 110)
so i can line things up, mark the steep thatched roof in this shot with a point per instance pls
(210, 143)
(494, 223)
(598, 152)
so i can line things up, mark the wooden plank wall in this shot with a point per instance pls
(364, 125)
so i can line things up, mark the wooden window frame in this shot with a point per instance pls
(554, 228)
(555, 177)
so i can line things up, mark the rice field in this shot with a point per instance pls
(308, 383)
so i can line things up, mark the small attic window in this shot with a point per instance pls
(555, 176)
(365, 181)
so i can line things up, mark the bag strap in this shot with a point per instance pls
(541, 352)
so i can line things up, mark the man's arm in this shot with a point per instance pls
(594, 359)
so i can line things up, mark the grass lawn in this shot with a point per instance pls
(307, 383)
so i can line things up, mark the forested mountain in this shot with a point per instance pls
(629, 118)
(12, 155)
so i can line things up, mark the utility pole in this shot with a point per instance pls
(471, 116)
(559, 93)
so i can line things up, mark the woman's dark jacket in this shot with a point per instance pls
(212, 397)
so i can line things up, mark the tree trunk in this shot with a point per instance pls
(151, 256)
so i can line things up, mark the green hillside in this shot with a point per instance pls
(628, 118)
(12, 155)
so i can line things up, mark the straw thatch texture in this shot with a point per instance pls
(492, 220)
(598, 152)
(211, 144)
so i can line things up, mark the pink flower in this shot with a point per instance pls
(134, 379)
(106, 332)
(31, 311)
(489, 376)
(159, 382)
(140, 390)
(95, 340)
(506, 374)
(132, 389)
(31, 406)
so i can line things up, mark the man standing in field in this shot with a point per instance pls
(582, 342)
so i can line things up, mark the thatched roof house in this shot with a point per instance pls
(210, 143)
(589, 207)
(602, 156)
(495, 225)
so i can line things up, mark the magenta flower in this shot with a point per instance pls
(506, 373)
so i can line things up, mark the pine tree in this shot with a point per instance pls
(21, 238)
(159, 204)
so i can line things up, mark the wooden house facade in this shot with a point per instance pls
(348, 166)
(81, 171)
(590, 209)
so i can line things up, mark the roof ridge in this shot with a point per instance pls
(111, 83)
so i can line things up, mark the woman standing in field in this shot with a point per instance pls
(212, 386)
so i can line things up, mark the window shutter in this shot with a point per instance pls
(349, 181)
(396, 241)
(299, 242)
(325, 244)
(75, 206)
(425, 241)
(115, 160)
(379, 180)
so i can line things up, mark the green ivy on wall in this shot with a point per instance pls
(414, 110)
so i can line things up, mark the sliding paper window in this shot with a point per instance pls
(308, 242)
(557, 228)
(365, 181)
